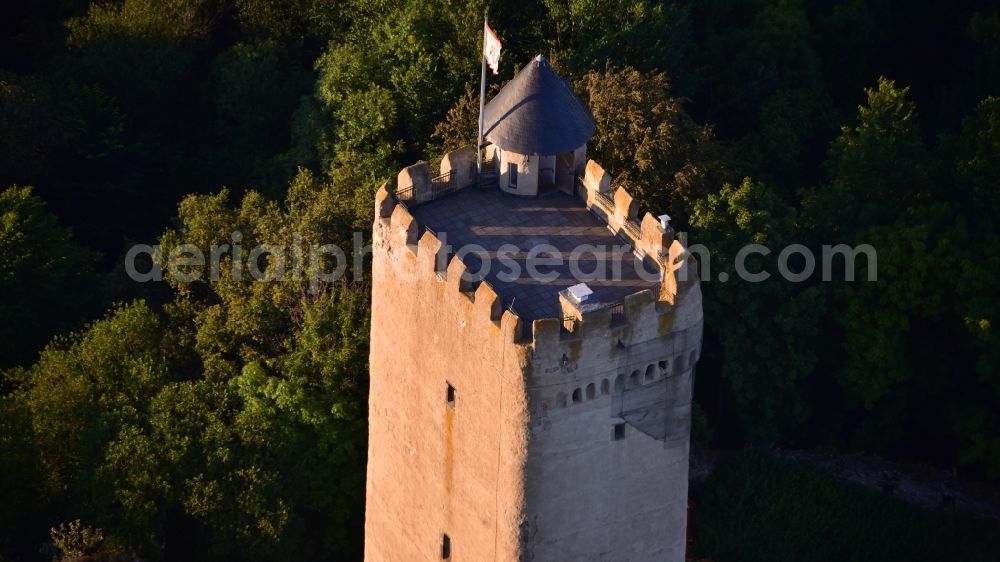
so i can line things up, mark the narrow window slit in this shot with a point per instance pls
(445, 547)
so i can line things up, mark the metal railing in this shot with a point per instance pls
(605, 200)
(632, 228)
(444, 184)
(404, 195)
(617, 309)
(439, 186)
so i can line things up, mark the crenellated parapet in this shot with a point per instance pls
(650, 236)
(594, 335)
(418, 258)
(418, 254)
(415, 184)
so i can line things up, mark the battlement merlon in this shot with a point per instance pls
(675, 306)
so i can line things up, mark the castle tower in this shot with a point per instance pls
(542, 415)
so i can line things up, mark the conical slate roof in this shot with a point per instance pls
(538, 113)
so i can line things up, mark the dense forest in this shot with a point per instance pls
(225, 419)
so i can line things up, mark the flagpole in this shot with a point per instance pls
(482, 101)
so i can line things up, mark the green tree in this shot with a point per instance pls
(877, 168)
(767, 328)
(256, 87)
(84, 388)
(44, 276)
(372, 111)
(233, 319)
(647, 142)
(239, 417)
(460, 127)
(916, 257)
(910, 338)
(638, 33)
(27, 130)
(758, 48)
(292, 352)
(976, 173)
(22, 513)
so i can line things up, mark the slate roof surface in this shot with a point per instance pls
(538, 113)
(491, 219)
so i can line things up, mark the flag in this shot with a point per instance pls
(491, 48)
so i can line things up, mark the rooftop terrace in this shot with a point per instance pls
(491, 219)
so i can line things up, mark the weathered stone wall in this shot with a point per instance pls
(591, 492)
(432, 468)
(528, 464)
(461, 163)
(588, 494)
(418, 178)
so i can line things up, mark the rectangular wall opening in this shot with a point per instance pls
(445, 547)
(618, 433)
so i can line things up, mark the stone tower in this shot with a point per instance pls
(540, 416)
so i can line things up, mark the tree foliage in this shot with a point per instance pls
(240, 410)
(648, 142)
(42, 268)
(766, 328)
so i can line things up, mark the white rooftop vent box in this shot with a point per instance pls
(580, 293)
(664, 221)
